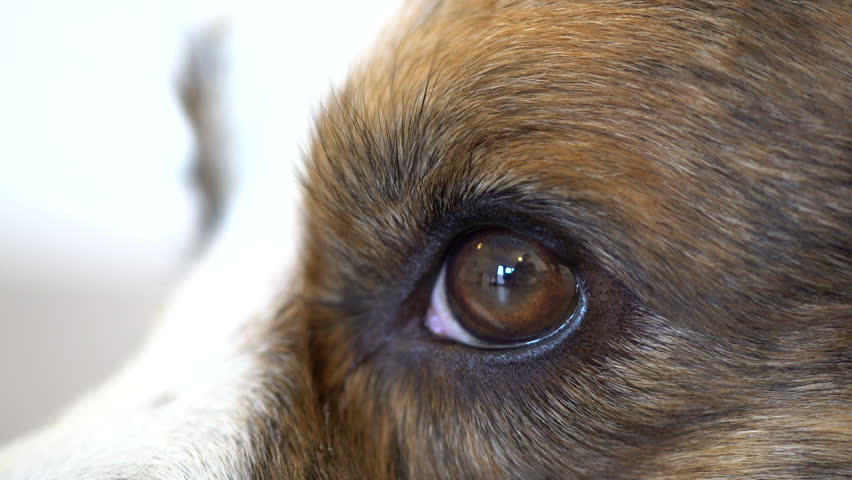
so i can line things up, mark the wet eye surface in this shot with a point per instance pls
(500, 289)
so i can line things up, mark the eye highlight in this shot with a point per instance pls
(499, 289)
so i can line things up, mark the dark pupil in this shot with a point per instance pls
(507, 289)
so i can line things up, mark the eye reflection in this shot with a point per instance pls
(500, 288)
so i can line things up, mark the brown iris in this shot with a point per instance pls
(505, 288)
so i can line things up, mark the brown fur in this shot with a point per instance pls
(692, 160)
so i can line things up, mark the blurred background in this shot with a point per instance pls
(98, 216)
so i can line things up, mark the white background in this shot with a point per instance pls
(97, 215)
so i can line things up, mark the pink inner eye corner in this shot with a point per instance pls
(433, 322)
(439, 318)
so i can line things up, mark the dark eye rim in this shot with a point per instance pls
(530, 232)
(402, 306)
(586, 337)
(569, 325)
(565, 248)
(388, 323)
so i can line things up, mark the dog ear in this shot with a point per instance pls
(201, 89)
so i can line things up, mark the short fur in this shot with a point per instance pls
(694, 157)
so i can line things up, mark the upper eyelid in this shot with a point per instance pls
(511, 207)
(430, 256)
(428, 236)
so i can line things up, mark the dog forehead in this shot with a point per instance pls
(654, 131)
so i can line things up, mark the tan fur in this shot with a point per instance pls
(695, 154)
(690, 160)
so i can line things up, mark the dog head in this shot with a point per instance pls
(671, 181)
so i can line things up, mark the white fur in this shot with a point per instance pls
(279, 65)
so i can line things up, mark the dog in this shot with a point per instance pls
(537, 240)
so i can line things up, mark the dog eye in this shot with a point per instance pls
(498, 289)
